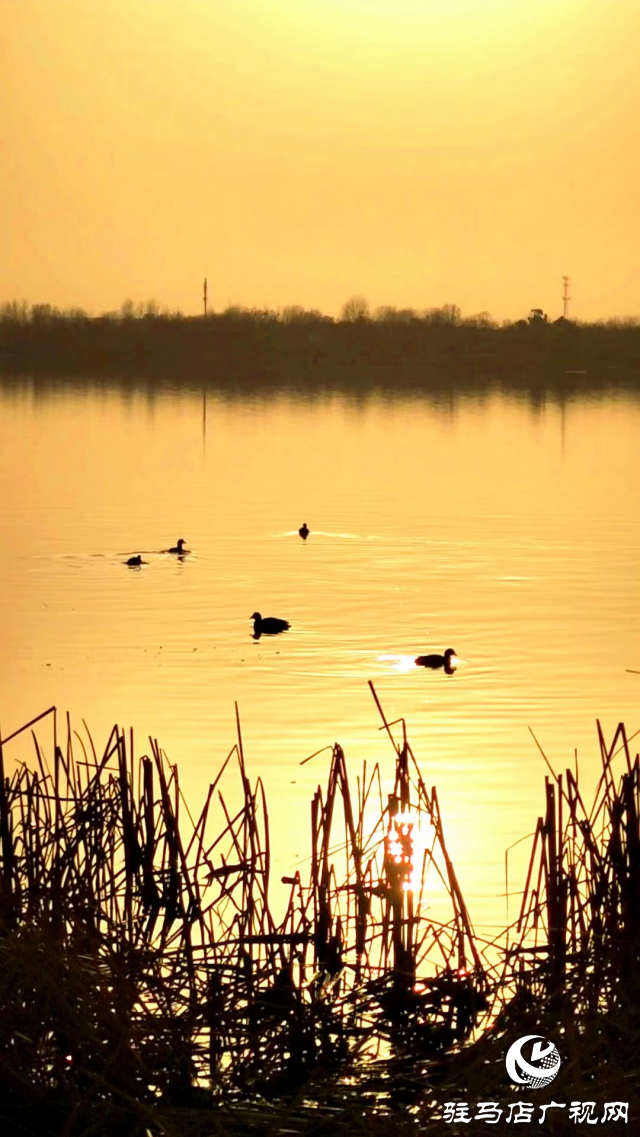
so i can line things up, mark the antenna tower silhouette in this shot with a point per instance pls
(204, 296)
(565, 297)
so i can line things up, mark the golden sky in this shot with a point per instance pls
(418, 152)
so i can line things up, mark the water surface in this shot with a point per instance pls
(508, 532)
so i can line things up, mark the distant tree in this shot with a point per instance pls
(41, 313)
(451, 314)
(318, 317)
(293, 314)
(621, 322)
(15, 311)
(355, 308)
(255, 315)
(390, 315)
(448, 314)
(480, 320)
(127, 309)
(537, 316)
(296, 314)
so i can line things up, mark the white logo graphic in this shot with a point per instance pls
(523, 1072)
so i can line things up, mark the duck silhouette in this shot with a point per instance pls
(304, 531)
(178, 548)
(437, 661)
(134, 562)
(268, 626)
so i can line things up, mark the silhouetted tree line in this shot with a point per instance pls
(390, 348)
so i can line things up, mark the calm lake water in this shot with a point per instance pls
(509, 533)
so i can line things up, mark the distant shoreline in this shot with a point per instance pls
(241, 350)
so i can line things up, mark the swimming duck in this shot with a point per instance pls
(269, 626)
(133, 562)
(435, 661)
(178, 548)
(304, 531)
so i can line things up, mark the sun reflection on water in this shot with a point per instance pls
(409, 836)
(401, 663)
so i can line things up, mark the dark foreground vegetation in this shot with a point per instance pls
(242, 350)
(147, 987)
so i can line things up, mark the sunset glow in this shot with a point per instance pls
(348, 293)
(418, 153)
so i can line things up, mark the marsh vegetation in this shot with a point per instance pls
(149, 983)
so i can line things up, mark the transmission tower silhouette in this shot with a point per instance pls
(565, 297)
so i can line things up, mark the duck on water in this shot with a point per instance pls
(268, 625)
(178, 547)
(304, 531)
(134, 562)
(437, 661)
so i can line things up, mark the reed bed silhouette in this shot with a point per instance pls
(571, 962)
(147, 984)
